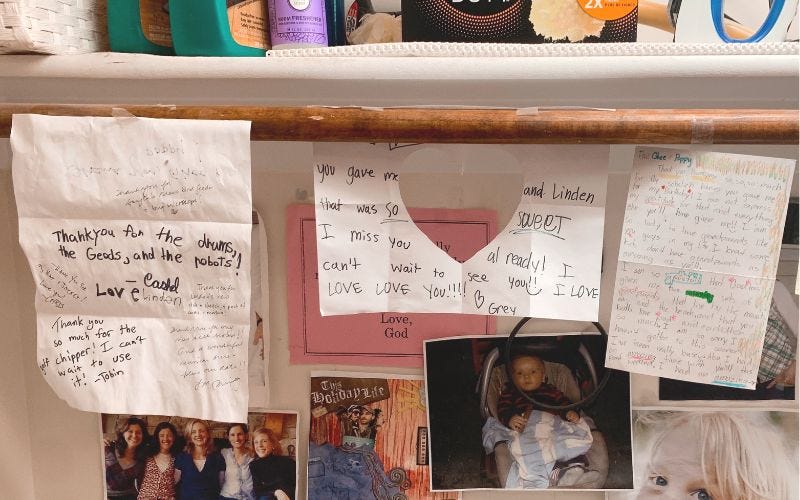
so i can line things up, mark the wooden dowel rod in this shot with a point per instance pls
(488, 126)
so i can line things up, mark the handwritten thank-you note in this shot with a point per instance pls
(545, 262)
(697, 262)
(137, 232)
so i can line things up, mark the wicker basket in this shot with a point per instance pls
(53, 26)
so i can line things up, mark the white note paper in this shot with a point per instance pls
(137, 232)
(698, 256)
(544, 263)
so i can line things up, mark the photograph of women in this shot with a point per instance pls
(149, 457)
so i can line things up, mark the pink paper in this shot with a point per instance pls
(385, 339)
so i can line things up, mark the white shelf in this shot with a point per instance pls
(527, 78)
(111, 65)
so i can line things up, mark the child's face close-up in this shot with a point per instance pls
(675, 470)
(527, 373)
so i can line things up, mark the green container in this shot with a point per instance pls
(202, 27)
(139, 26)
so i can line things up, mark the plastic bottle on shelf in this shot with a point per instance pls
(140, 26)
(219, 27)
(295, 24)
(336, 21)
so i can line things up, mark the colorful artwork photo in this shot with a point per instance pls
(368, 438)
(555, 419)
(150, 457)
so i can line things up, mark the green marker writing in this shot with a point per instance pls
(701, 295)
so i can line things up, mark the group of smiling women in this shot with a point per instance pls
(141, 467)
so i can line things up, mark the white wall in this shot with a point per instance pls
(16, 466)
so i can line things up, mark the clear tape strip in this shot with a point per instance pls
(121, 113)
(534, 110)
(702, 131)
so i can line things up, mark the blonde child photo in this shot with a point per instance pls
(716, 455)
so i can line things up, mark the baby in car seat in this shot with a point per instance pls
(514, 410)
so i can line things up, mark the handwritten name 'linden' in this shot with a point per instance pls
(564, 193)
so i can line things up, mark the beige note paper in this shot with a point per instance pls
(698, 256)
(545, 262)
(137, 232)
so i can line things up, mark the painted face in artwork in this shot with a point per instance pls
(366, 417)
